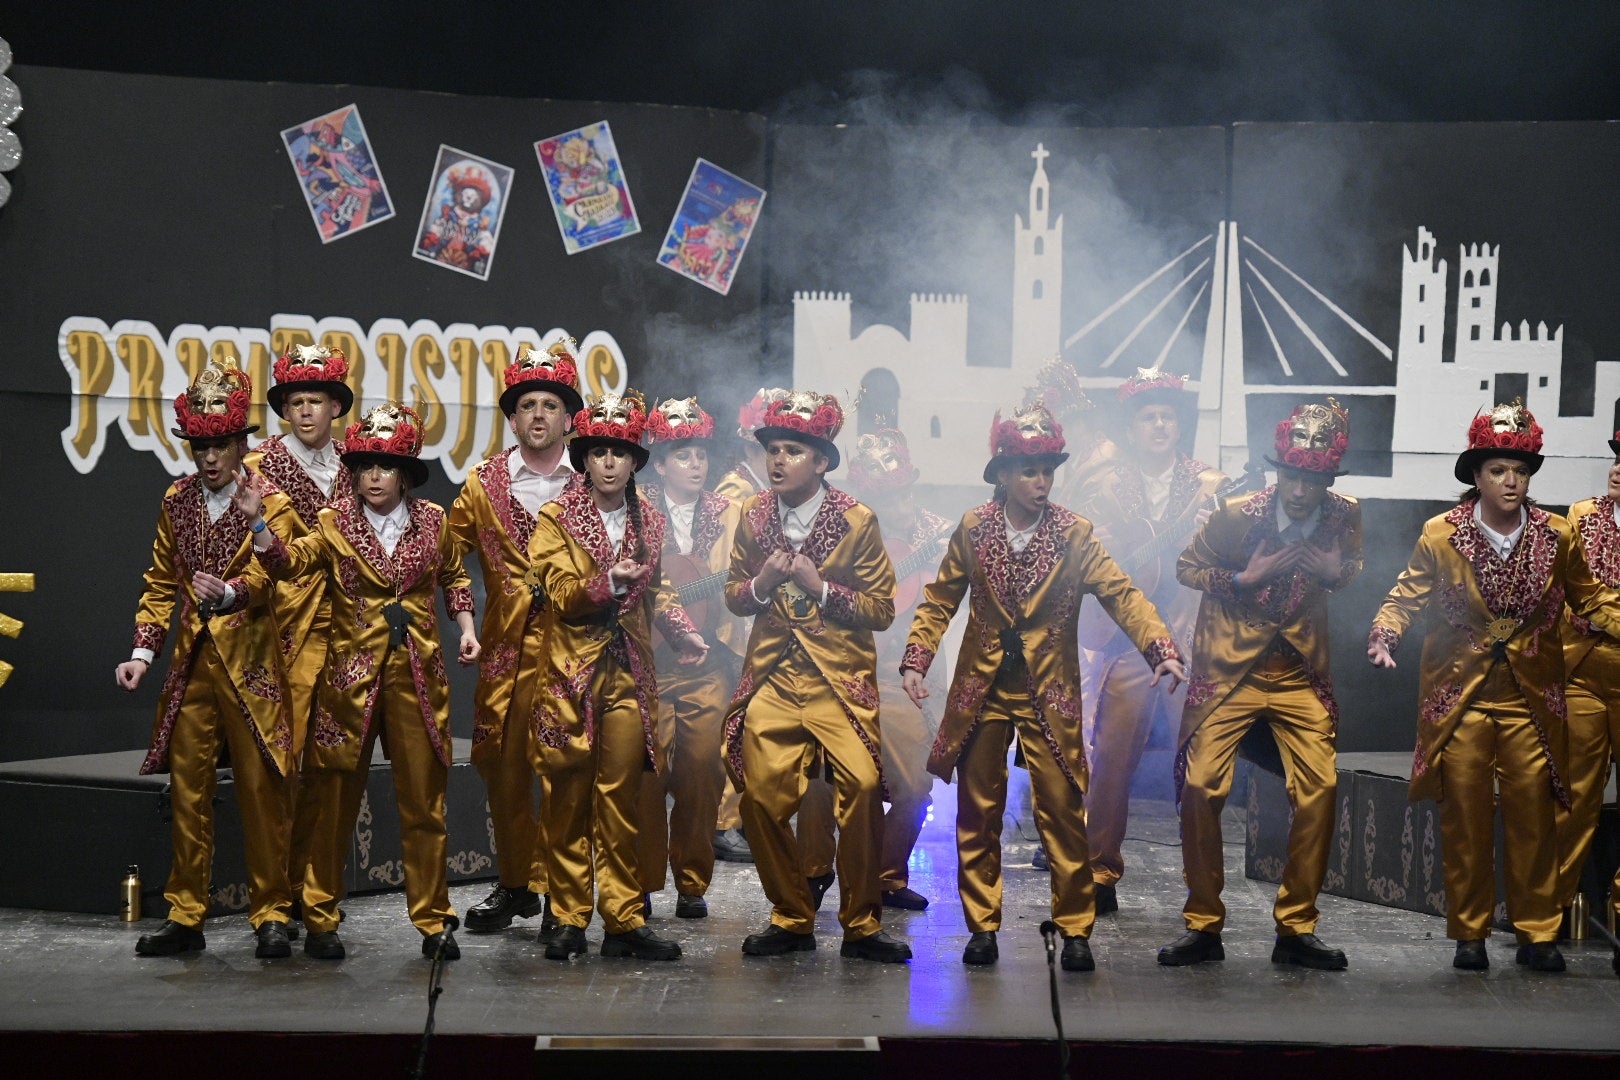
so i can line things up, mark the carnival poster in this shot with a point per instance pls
(705, 242)
(461, 219)
(338, 173)
(587, 186)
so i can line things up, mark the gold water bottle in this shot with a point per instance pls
(129, 902)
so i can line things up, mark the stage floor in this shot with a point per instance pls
(79, 972)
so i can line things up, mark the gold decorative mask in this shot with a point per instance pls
(801, 403)
(878, 452)
(681, 411)
(211, 391)
(617, 409)
(1511, 417)
(310, 355)
(1315, 426)
(383, 421)
(1033, 421)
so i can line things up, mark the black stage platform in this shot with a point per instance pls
(76, 995)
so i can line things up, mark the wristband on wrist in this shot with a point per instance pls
(258, 526)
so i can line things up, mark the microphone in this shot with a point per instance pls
(1049, 933)
(451, 924)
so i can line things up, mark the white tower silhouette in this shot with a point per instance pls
(1037, 307)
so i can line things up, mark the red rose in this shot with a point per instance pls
(1341, 442)
(1316, 460)
(239, 401)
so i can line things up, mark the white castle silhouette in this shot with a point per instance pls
(945, 415)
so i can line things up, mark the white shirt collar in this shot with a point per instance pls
(1018, 539)
(1501, 543)
(1306, 527)
(516, 466)
(797, 521)
(614, 521)
(320, 465)
(391, 526)
(681, 516)
(217, 502)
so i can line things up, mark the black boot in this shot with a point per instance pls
(981, 948)
(566, 943)
(273, 941)
(324, 946)
(171, 939)
(1193, 947)
(1076, 955)
(775, 941)
(640, 943)
(497, 910)
(431, 944)
(879, 946)
(1307, 950)
(1541, 956)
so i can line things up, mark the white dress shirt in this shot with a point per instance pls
(614, 521)
(1501, 543)
(1018, 539)
(391, 526)
(797, 521)
(680, 517)
(1157, 489)
(533, 489)
(321, 465)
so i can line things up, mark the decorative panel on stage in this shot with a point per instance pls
(71, 825)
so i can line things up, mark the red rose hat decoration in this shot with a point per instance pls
(881, 463)
(807, 417)
(552, 370)
(311, 367)
(677, 421)
(1313, 439)
(389, 435)
(611, 420)
(1031, 436)
(1508, 431)
(752, 414)
(215, 405)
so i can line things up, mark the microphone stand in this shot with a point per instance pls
(1049, 934)
(435, 988)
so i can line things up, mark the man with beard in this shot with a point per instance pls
(495, 515)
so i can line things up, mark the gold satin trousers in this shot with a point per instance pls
(981, 803)
(1275, 691)
(793, 721)
(1495, 749)
(591, 810)
(419, 785)
(904, 749)
(1593, 698)
(691, 733)
(212, 714)
(514, 813)
(1127, 706)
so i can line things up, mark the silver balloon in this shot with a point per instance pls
(5, 56)
(5, 191)
(10, 101)
(10, 150)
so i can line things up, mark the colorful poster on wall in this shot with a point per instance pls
(461, 219)
(705, 242)
(338, 173)
(588, 190)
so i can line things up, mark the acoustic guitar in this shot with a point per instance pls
(912, 567)
(697, 587)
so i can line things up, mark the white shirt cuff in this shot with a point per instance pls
(143, 654)
(823, 594)
(228, 601)
(753, 588)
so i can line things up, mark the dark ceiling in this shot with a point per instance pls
(1134, 63)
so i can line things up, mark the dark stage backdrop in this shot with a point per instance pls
(1407, 269)
(170, 202)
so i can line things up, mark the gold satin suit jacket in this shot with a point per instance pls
(570, 554)
(1469, 598)
(1036, 595)
(847, 548)
(361, 580)
(246, 634)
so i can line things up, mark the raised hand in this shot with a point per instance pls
(805, 575)
(777, 568)
(1325, 566)
(249, 495)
